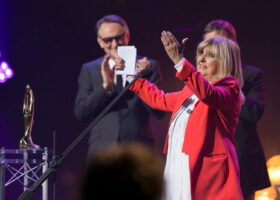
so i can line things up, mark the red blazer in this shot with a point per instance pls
(209, 136)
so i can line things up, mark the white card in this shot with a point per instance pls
(128, 54)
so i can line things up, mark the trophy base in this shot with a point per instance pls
(27, 143)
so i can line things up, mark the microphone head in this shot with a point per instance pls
(146, 73)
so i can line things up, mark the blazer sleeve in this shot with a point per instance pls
(153, 96)
(90, 100)
(155, 78)
(253, 108)
(223, 94)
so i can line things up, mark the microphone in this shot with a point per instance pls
(146, 73)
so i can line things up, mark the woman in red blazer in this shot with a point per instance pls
(201, 159)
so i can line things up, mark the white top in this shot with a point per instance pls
(112, 63)
(177, 173)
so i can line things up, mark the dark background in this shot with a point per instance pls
(45, 42)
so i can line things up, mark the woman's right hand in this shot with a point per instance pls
(172, 47)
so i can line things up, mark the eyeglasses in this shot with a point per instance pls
(110, 39)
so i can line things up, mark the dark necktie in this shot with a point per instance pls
(119, 83)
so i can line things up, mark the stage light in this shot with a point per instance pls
(4, 65)
(2, 77)
(273, 168)
(5, 71)
(9, 73)
(269, 193)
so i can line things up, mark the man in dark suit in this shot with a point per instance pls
(98, 83)
(252, 163)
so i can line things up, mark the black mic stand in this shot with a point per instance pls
(29, 193)
(54, 173)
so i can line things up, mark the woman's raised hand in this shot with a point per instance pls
(172, 47)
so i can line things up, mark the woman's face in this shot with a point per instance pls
(208, 64)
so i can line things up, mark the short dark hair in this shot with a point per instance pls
(221, 26)
(123, 171)
(112, 19)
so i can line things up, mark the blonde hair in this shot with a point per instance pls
(228, 54)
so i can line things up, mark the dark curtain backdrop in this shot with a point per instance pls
(46, 42)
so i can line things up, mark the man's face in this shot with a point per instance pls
(214, 34)
(110, 36)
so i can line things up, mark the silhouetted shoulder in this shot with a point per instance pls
(249, 70)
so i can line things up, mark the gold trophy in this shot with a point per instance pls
(28, 113)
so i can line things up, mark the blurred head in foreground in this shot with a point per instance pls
(124, 171)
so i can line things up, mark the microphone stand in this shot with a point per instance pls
(54, 173)
(29, 193)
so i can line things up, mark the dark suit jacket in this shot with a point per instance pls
(253, 171)
(128, 120)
